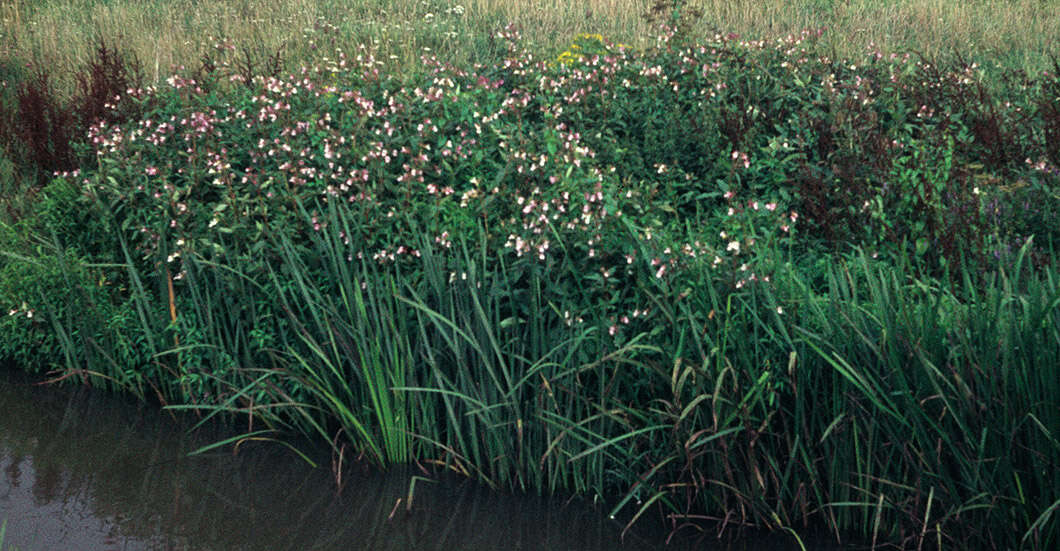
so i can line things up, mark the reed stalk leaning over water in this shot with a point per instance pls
(880, 400)
(786, 399)
(3, 531)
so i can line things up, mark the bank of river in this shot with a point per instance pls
(85, 470)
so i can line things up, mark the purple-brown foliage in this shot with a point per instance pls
(1049, 111)
(104, 79)
(42, 126)
(39, 129)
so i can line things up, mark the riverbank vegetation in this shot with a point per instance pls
(706, 277)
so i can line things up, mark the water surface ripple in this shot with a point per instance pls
(85, 470)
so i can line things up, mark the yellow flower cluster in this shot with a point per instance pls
(586, 45)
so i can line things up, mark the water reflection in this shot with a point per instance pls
(84, 470)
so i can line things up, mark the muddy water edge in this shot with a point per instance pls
(82, 469)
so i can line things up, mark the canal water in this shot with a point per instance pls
(85, 470)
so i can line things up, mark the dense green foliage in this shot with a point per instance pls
(733, 280)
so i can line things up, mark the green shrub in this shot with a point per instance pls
(61, 314)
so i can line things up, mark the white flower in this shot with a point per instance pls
(733, 246)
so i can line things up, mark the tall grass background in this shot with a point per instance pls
(166, 34)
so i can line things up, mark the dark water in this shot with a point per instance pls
(84, 470)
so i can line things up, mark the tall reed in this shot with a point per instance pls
(356, 341)
(904, 408)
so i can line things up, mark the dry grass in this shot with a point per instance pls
(1017, 32)
(165, 34)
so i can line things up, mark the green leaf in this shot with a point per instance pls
(921, 246)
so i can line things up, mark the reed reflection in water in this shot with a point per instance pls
(84, 470)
